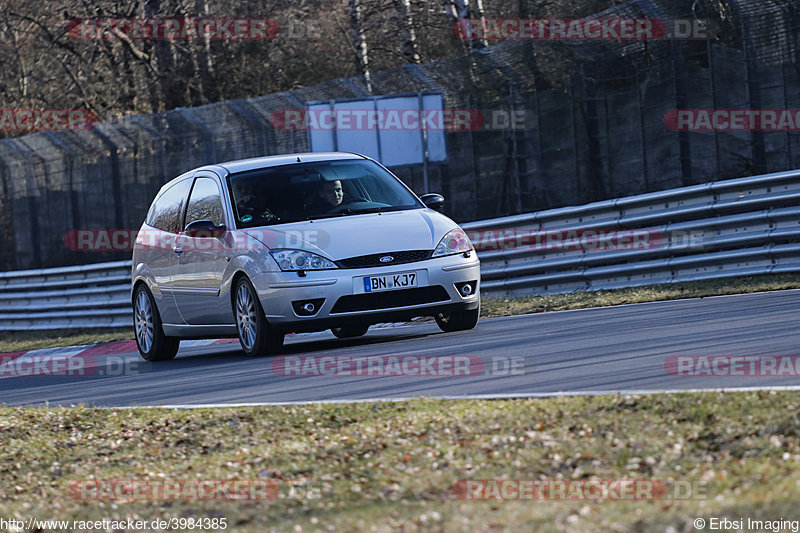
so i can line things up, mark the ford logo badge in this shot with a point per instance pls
(386, 259)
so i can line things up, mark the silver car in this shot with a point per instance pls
(263, 247)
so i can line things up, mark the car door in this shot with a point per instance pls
(157, 245)
(201, 261)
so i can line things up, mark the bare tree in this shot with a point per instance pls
(203, 60)
(359, 39)
(482, 42)
(170, 97)
(458, 10)
(408, 36)
(47, 66)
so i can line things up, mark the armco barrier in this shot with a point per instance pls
(83, 296)
(738, 227)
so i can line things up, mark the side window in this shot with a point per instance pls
(205, 202)
(166, 211)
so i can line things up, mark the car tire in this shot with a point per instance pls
(150, 339)
(458, 320)
(256, 336)
(346, 332)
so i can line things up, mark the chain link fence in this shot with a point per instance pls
(594, 128)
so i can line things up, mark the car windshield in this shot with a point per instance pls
(305, 191)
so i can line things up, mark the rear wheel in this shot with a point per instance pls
(350, 331)
(458, 320)
(150, 339)
(255, 334)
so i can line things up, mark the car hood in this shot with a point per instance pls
(354, 235)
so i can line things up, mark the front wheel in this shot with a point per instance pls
(458, 320)
(150, 339)
(255, 335)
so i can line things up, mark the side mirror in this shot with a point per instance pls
(433, 200)
(205, 228)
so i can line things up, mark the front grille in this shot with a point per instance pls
(373, 260)
(388, 299)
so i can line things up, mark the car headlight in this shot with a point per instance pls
(294, 260)
(453, 242)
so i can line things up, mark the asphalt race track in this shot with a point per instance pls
(633, 348)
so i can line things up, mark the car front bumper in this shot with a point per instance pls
(344, 300)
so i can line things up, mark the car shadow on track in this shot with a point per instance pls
(190, 369)
(306, 347)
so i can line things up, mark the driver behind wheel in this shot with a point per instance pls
(329, 196)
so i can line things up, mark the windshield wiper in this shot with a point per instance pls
(349, 211)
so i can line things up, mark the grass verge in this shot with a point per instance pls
(20, 341)
(490, 307)
(392, 466)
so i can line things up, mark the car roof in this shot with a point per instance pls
(243, 165)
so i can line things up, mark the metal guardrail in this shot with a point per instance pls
(738, 227)
(82, 296)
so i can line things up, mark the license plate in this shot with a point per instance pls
(390, 282)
